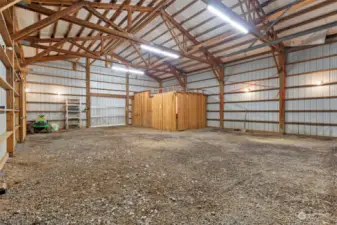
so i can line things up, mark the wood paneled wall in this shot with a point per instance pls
(170, 111)
(142, 110)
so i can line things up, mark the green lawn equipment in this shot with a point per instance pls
(40, 125)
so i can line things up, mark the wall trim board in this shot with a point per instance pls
(257, 90)
(199, 72)
(108, 95)
(46, 111)
(98, 81)
(312, 59)
(247, 81)
(312, 124)
(55, 120)
(196, 81)
(312, 85)
(228, 64)
(213, 86)
(52, 103)
(55, 76)
(251, 111)
(276, 134)
(106, 89)
(53, 84)
(249, 71)
(312, 72)
(311, 111)
(260, 100)
(311, 98)
(83, 71)
(50, 93)
(251, 121)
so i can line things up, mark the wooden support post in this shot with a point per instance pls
(74, 66)
(221, 95)
(161, 87)
(22, 114)
(88, 97)
(282, 92)
(127, 101)
(10, 98)
(106, 62)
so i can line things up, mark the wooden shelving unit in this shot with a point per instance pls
(5, 136)
(14, 84)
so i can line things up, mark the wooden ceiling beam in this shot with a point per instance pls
(103, 18)
(52, 18)
(84, 49)
(117, 34)
(215, 62)
(54, 58)
(96, 5)
(111, 20)
(47, 40)
(135, 28)
(43, 53)
(85, 55)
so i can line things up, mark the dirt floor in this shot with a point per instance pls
(142, 176)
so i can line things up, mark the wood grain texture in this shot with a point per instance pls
(171, 111)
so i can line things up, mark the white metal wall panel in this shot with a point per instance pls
(106, 81)
(207, 83)
(311, 108)
(170, 82)
(49, 84)
(107, 112)
(50, 78)
(251, 95)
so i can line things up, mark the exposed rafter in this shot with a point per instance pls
(52, 18)
(102, 39)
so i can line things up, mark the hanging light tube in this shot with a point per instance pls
(121, 69)
(234, 24)
(158, 51)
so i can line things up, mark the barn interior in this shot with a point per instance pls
(168, 112)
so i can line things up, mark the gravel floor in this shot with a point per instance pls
(142, 176)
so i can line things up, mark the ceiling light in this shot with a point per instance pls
(227, 19)
(27, 90)
(58, 93)
(247, 90)
(158, 51)
(121, 69)
(319, 83)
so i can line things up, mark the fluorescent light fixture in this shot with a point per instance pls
(158, 51)
(227, 19)
(121, 69)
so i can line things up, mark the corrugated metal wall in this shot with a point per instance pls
(311, 109)
(48, 79)
(251, 95)
(207, 83)
(171, 85)
(48, 87)
(108, 111)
